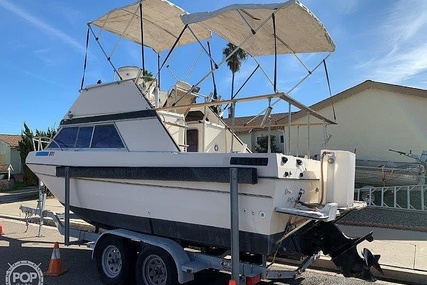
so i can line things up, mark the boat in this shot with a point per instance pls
(381, 176)
(158, 162)
(388, 173)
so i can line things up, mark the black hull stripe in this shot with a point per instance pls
(181, 232)
(111, 117)
(194, 174)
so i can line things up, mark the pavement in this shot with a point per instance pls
(403, 252)
(19, 195)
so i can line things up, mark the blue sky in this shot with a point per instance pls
(43, 45)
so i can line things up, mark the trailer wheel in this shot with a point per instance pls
(113, 260)
(155, 266)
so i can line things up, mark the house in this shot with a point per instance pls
(9, 153)
(371, 117)
(250, 131)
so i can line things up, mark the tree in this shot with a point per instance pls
(234, 62)
(26, 146)
(262, 144)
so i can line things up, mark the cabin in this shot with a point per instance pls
(372, 117)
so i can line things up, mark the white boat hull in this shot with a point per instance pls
(197, 212)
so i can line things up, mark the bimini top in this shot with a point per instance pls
(161, 22)
(297, 29)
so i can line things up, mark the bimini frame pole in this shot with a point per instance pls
(253, 33)
(142, 38)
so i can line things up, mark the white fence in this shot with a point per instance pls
(411, 197)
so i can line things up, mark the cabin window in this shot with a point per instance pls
(84, 136)
(193, 140)
(65, 138)
(106, 136)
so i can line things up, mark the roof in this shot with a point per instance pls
(248, 123)
(12, 140)
(281, 119)
(297, 30)
(4, 168)
(368, 84)
(161, 23)
(254, 28)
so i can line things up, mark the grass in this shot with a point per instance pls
(16, 187)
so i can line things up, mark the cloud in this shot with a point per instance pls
(41, 25)
(402, 44)
(347, 6)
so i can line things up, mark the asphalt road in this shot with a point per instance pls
(16, 245)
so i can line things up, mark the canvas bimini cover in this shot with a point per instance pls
(162, 24)
(297, 30)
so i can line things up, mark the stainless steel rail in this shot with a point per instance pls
(408, 197)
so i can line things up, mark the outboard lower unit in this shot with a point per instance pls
(328, 238)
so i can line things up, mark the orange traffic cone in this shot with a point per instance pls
(232, 282)
(1, 228)
(55, 266)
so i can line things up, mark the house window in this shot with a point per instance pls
(193, 140)
(282, 139)
(106, 136)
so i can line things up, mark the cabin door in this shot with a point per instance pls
(193, 140)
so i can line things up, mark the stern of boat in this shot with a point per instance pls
(312, 228)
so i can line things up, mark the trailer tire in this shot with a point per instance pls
(113, 260)
(154, 266)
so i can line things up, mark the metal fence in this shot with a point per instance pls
(411, 197)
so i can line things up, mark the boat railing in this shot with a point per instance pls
(408, 197)
(40, 143)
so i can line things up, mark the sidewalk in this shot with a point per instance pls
(403, 252)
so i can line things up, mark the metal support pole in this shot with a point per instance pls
(289, 129)
(67, 206)
(324, 134)
(40, 205)
(234, 211)
(233, 122)
(308, 134)
(269, 126)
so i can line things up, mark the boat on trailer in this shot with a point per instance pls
(158, 162)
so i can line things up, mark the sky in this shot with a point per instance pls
(43, 48)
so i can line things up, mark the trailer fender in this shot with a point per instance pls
(176, 251)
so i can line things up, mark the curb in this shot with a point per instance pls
(391, 273)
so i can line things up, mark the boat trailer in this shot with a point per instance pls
(318, 234)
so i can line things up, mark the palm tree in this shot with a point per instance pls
(233, 62)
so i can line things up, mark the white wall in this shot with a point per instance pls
(15, 160)
(371, 122)
(10, 156)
